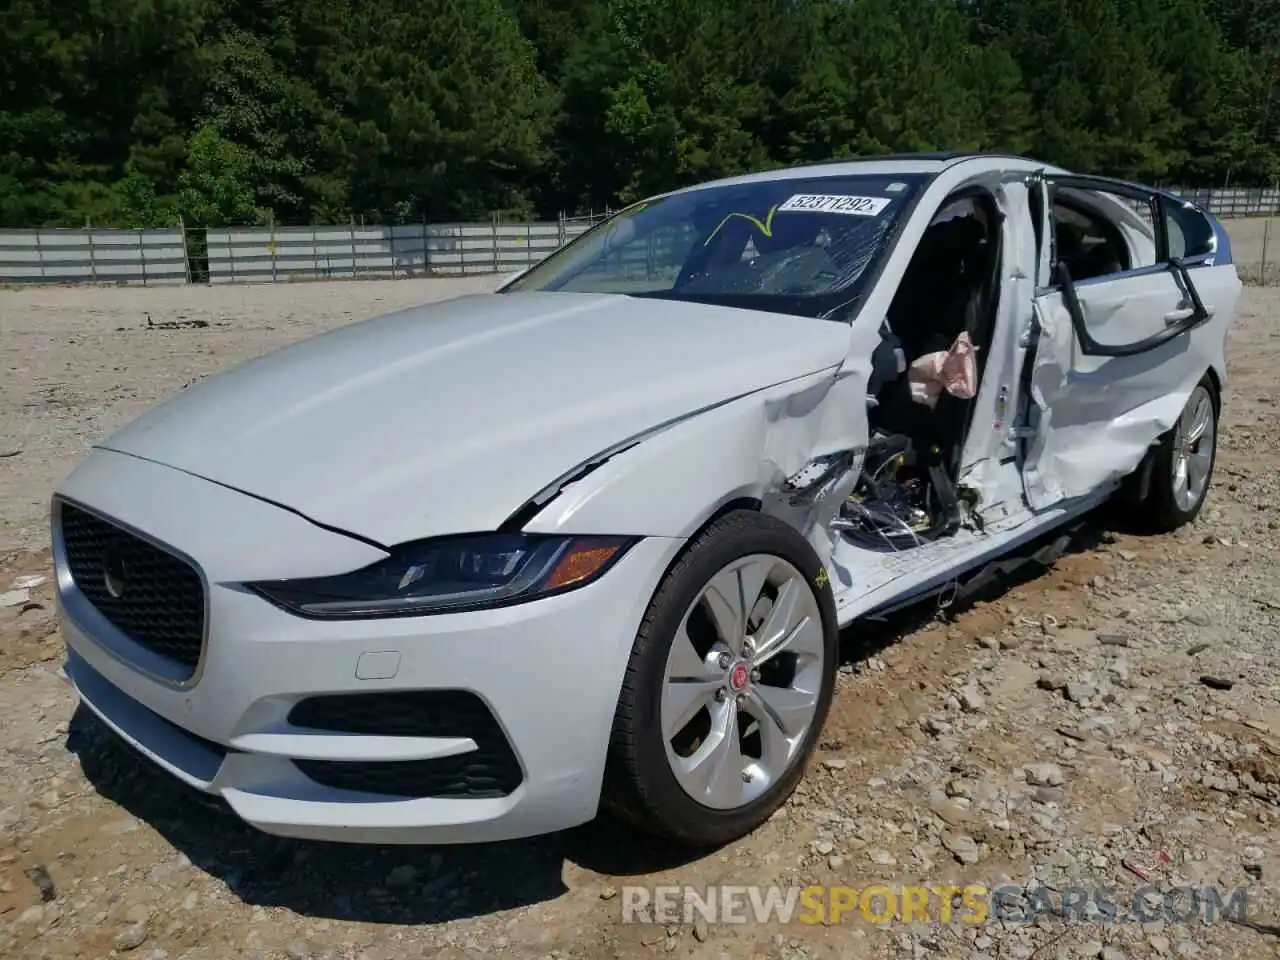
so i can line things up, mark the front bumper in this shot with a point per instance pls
(548, 672)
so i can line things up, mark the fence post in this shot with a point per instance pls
(186, 254)
(271, 243)
(40, 254)
(93, 260)
(352, 230)
(562, 235)
(1266, 238)
(142, 257)
(493, 232)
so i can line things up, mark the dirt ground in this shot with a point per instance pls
(1048, 738)
(1255, 243)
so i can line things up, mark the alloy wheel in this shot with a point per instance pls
(742, 682)
(1193, 445)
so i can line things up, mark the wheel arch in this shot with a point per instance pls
(1217, 380)
(754, 504)
(1136, 487)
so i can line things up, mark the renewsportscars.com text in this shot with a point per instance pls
(938, 903)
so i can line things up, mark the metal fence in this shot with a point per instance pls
(93, 256)
(277, 253)
(1227, 202)
(272, 254)
(283, 253)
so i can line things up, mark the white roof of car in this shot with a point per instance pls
(928, 163)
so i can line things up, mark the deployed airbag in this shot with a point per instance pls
(954, 370)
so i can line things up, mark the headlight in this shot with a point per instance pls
(456, 573)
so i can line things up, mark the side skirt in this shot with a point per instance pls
(958, 567)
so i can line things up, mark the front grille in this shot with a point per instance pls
(150, 595)
(491, 770)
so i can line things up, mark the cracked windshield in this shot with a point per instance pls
(803, 246)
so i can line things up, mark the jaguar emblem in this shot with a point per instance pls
(113, 576)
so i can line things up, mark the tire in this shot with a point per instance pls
(1169, 502)
(648, 780)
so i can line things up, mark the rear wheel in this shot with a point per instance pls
(1182, 463)
(729, 683)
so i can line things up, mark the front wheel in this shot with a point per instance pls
(730, 680)
(1182, 463)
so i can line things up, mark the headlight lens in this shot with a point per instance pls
(457, 573)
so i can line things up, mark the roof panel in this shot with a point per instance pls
(886, 165)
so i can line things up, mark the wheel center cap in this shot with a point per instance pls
(738, 678)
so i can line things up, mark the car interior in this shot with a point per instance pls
(944, 311)
(1087, 245)
(795, 256)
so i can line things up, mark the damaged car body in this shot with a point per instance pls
(474, 570)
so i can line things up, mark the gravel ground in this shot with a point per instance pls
(1056, 735)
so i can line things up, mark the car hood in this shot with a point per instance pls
(448, 417)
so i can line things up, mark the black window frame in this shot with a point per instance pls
(1158, 203)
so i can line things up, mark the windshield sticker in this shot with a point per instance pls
(895, 188)
(765, 226)
(834, 203)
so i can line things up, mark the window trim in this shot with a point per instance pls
(1220, 255)
(1179, 267)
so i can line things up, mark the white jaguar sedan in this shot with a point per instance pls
(473, 570)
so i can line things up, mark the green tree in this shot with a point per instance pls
(441, 110)
(134, 112)
(1102, 102)
(894, 77)
(216, 186)
(88, 90)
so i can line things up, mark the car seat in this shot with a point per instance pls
(937, 300)
(1082, 258)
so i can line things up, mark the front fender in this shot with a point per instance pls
(751, 448)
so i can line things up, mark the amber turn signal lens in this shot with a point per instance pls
(582, 562)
